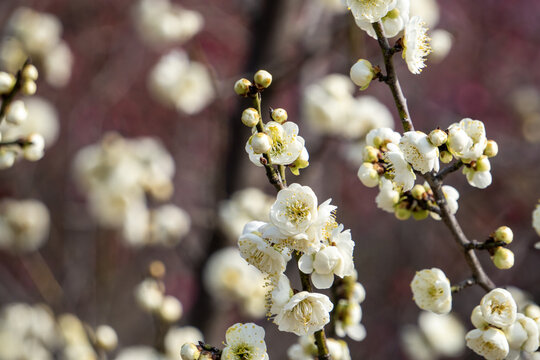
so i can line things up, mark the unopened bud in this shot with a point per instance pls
(190, 351)
(6, 82)
(532, 311)
(368, 175)
(261, 143)
(503, 258)
(445, 157)
(504, 233)
(29, 87)
(492, 149)
(280, 115)
(370, 154)
(106, 338)
(402, 213)
(418, 191)
(250, 117)
(263, 79)
(34, 150)
(362, 73)
(241, 87)
(7, 158)
(30, 72)
(156, 269)
(16, 113)
(437, 137)
(482, 164)
(420, 214)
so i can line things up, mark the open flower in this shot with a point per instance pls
(419, 152)
(388, 197)
(431, 291)
(499, 308)
(416, 45)
(370, 10)
(393, 22)
(244, 341)
(286, 144)
(467, 139)
(380, 137)
(295, 209)
(304, 313)
(522, 334)
(400, 168)
(490, 343)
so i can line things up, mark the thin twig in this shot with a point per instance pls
(463, 284)
(434, 181)
(450, 169)
(8, 98)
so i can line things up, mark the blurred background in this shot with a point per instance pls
(153, 81)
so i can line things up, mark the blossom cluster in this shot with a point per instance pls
(392, 160)
(34, 332)
(501, 331)
(117, 174)
(305, 349)
(37, 35)
(18, 143)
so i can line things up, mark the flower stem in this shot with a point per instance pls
(434, 180)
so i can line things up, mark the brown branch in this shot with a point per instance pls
(8, 98)
(434, 180)
(449, 169)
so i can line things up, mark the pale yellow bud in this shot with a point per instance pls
(6, 82)
(503, 258)
(241, 87)
(29, 87)
(504, 233)
(190, 351)
(362, 73)
(445, 157)
(106, 338)
(532, 311)
(261, 143)
(30, 72)
(437, 137)
(418, 191)
(263, 79)
(280, 115)
(482, 164)
(370, 154)
(402, 213)
(492, 149)
(250, 117)
(378, 141)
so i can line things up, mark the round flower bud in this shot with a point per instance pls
(170, 309)
(106, 338)
(504, 233)
(503, 258)
(190, 351)
(29, 87)
(6, 82)
(241, 87)
(149, 295)
(437, 137)
(420, 214)
(482, 164)
(261, 143)
(418, 191)
(532, 311)
(263, 79)
(34, 150)
(280, 115)
(16, 113)
(30, 72)
(362, 73)
(368, 175)
(492, 149)
(7, 159)
(402, 213)
(250, 117)
(445, 157)
(156, 269)
(370, 154)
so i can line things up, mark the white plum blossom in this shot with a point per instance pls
(244, 341)
(427, 10)
(368, 175)
(329, 260)
(499, 308)
(286, 145)
(445, 333)
(393, 22)
(295, 209)
(306, 349)
(467, 139)
(419, 152)
(451, 195)
(401, 170)
(304, 313)
(380, 137)
(182, 84)
(361, 73)
(479, 176)
(370, 10)
(522, 334)
(388, 196)
(431, 291)
(260, 253)
(489, 343)
(415, 45)
(350, 326)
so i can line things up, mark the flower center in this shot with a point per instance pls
(297, 211)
